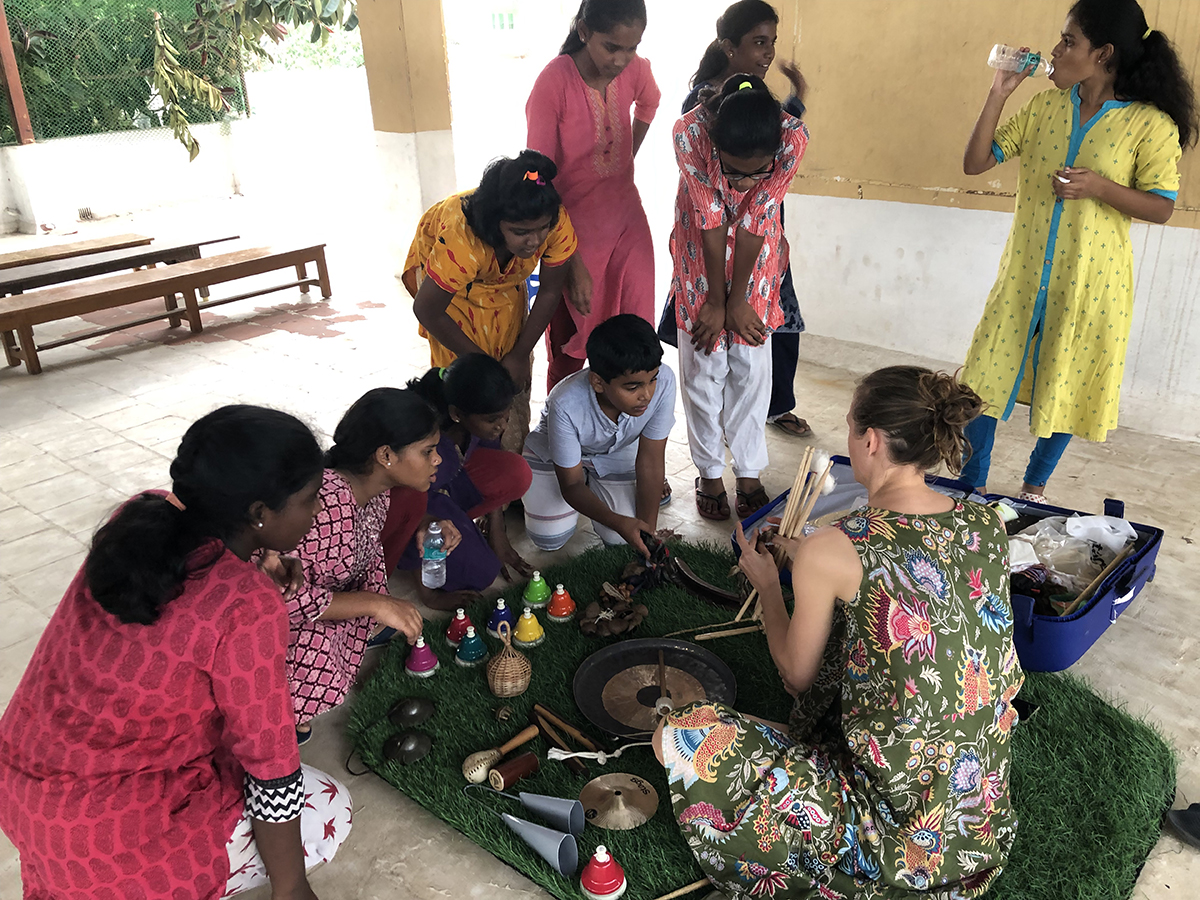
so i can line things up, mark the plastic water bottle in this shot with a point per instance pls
(433, 557)
(1013, 60)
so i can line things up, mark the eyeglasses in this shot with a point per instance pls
(735, 175)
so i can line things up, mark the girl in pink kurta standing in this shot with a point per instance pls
(578, 114)
(387, 439)
(154, 717)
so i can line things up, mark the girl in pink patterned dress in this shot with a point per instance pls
(578, 114)
(387, 439)
(737, 154)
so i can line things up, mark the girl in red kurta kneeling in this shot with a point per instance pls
(149, 749)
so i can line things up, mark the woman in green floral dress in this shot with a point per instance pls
(891, 779)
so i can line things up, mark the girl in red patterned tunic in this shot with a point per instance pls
(155, 712)
(387, 439)
(737, 154)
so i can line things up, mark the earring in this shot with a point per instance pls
(260, 524)
(388, 464)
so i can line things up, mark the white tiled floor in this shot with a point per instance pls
(103, 420)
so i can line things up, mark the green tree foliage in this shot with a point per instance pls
(92, 66)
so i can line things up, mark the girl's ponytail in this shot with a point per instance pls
(1147, 66)
(574, 43)
(228, 460)
(512, 190)
(1158, 77)
(712, 64)
(745, 117)
(429, 387)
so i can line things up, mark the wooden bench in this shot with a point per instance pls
(19, 279)
(74, 248)
(20, 313)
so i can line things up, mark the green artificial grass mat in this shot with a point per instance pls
(1090, 783)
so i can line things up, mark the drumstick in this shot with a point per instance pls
(713, 635)
(552, 717)
(687, 889)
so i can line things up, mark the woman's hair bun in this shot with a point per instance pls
(923, 413)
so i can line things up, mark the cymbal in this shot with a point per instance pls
(618, 688)
(618, 801)
(630, 696)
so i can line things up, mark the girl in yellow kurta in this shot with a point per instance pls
(472, 254)
(1101, 149)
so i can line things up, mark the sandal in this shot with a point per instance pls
(750, 503)
(721, 501)
(666, 495)
(1030, 497)
(790, 424)
(382, 637)
(303, 737)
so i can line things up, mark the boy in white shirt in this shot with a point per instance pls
(600, 447)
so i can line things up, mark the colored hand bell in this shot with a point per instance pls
(471, 649)
(501, 613)
(537, 592)
(457, 628)
(422, 662)
(562, 607)
(603, 878)
(529, 631)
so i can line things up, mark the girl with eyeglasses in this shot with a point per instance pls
(746, 36)
(737, 154)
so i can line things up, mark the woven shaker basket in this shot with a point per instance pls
(508, 672)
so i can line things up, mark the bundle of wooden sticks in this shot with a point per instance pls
(806, 489)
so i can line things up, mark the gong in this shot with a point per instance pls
(618, 688)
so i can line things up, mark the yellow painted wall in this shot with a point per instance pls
(404, 50)
(896, 86)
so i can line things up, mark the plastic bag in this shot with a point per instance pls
(1075, 550)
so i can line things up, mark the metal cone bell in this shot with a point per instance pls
(603, 878)
(471, 650)
(422, 661)
(457, 628)
(556, 847)
(537, 592)
(563, 814)
(562, 607)
(529, 632)
(501, 613)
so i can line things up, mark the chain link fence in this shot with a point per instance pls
(88, 66)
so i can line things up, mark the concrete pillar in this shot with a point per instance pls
(404, 49)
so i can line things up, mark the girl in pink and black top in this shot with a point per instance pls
(387, 439)
(149, 749)
(578, 114)
(737, 154)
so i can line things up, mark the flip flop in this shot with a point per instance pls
(721, 500)
(383, 638)
(750, 503)
(303, 737)
(666, 498)
(792, 425)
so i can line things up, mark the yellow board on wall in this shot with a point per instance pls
(896, 85)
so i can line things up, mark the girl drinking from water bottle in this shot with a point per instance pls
(737, 154)
(1098, 150)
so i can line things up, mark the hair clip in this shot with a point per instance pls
(744, 85)
(175, 501)
(442, 373)
(535, 177)
(1147, 34)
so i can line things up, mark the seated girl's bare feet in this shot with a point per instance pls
(445, 600)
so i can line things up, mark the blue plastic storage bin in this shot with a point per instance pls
(1044, 643)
